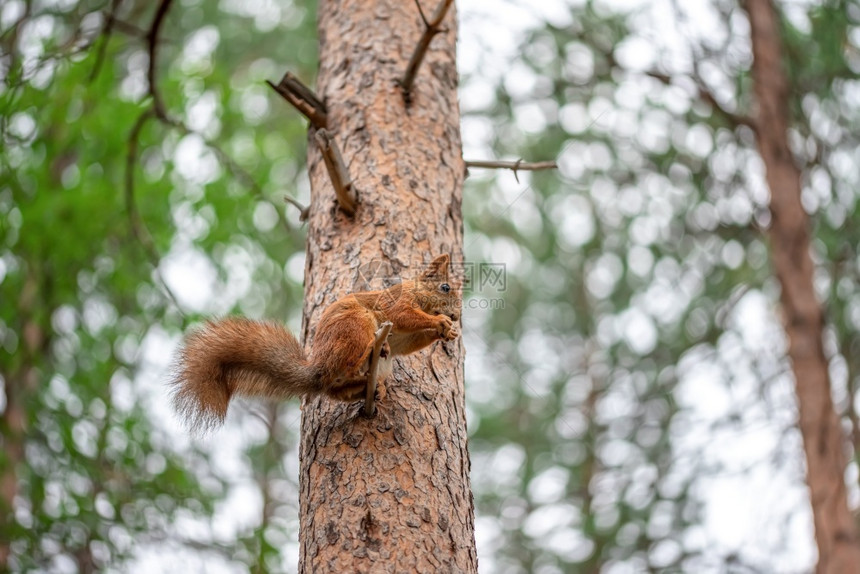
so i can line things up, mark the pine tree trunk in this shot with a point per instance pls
(823, 439)
(391, 493)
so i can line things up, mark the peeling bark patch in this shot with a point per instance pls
(440, 438)
(390, 245)
(384, 426)
(446, 74)
(354, 439)
(400, 434)
(455, 210)
(331, 534)
(369, 535)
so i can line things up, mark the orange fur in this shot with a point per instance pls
(262, 359)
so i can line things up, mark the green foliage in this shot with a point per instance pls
(97, 475)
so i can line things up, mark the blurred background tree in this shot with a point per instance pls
(103, 267)
(630, 401)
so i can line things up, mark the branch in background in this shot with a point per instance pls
(13, 33)
(129, 28)
(232, 166)
(370, 398)
(225, 160)
(152, 41)
(724, 311)
(162, 539)
(516, 166)
(106, 33)
(303, 99)
(660, 76)
(431, 28)
(15, 28)
(735, 119)
(707, 95)
(138, 228)
(346, 196)
(113, 23)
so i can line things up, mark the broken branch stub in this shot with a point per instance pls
(343, 189)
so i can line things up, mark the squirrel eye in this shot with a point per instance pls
(445, 288)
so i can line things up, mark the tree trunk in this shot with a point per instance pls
(391, 493)
(20, 380)
(823, 440)
(12, 425)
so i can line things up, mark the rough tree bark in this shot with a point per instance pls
(823, 439)
(389, 493)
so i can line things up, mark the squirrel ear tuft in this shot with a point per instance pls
(437, 267)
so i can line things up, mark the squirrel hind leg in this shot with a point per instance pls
(354, 388)
(347, 391)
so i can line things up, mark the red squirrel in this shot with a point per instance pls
(238, 356)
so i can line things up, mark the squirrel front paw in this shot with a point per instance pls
(446, 329)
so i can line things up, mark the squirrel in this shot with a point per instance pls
(239, 356)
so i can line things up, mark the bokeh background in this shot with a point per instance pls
(630, 406)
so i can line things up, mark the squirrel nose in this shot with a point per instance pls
(455, 315)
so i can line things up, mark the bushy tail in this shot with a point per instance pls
(237, 356)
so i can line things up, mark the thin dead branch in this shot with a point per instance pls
(346, 196)
(303, 99)
(138, 228)
(304, 212)
(370, 398)
(518, 165)
(515, 166)
(431, 28)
